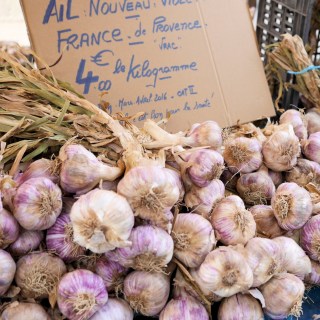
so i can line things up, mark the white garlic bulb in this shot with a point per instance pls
(297, 120)
(102, 221)
(224, 272)
(193, 238)
(231, 221)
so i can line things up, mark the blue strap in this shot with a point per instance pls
(310, 68)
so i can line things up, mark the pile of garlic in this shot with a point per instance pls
(230, 220)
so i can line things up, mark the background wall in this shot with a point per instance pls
(12, 26)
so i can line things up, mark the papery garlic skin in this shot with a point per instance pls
(37, 204)
(41, 168)
(203, 200)
(203, 166)
(207, 134)
(313, 120)
(26, 242)
(7, 271)
(59, 240)
(81, 171)
(114, 309)
(311, 147)
(146, 292)
(243, 155)
(102, 221)
(240, 307)
(304, 172)
(224, 272)
(186, 308)
(231, 221)
(294, 259)
(264, 258)
(182, 288)
(151, 191)
(283, 296)
(112, 273)
(281, 150)
(266, 223)
(21, 310)
(9, 228)
(292, 206)
(151, 249)
(314, 276)
(81, 293)
(297, 120)
(310, 238)
(38, 274)
(276, 176)
(193, 238)
(255, 188)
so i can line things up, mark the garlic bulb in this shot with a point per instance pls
(264, 258)
(240, 306)
(102, 221)
(313, 120)
(42, 168)
(114, 309)
(37, 204)
(151, 250)
(203, 200)
(207, 134)
(151, 191)
(281, 150)
(182, 288)
(243, 154)
(7, 271)
(81, 293)
(26, 242)
(38, 274)
(231, 221)
(297, 120)
(60, 240)
(185, 308)
(294, 259)
(203, 166)
(266, 222)
(21, 310)
(314, 276)
(81, 171)
(224, 272)
(304, 172)
(276, 176)
(146, 292)
(112, 273)
(193, 238)
(311, 147)
(256, 188)
(310, 238)
(283, 296)
(292, 206)
(9, 229)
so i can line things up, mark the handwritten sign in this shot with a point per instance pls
(194, 59)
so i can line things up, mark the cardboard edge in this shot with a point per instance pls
(27, 24)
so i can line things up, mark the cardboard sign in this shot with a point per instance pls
(195, 59)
